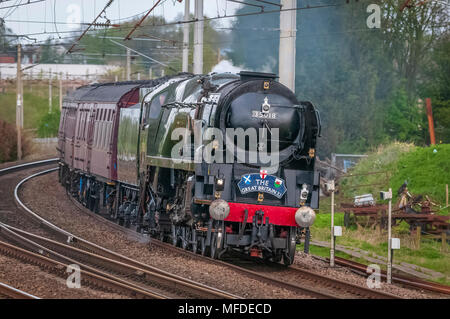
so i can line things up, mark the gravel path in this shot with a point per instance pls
(54, 205)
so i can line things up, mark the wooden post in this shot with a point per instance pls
(430, 122)
(418, 236)
(444, 241)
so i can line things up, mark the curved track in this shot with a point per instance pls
(9, 292)
(312, 284)
(101, 267)
(403, 280)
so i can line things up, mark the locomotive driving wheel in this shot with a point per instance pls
(216, 243)
(213, 247)
(202, 246)
(174, 235)
(289, 254)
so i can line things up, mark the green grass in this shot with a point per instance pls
(427, 170)
(429, 255)
(35, 109)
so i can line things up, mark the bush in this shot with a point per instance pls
(8, 140)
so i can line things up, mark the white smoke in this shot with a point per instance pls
(226, 66)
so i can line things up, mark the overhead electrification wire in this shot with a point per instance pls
(22, 4)
(128, 37)
(87, 29)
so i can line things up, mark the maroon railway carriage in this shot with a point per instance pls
(87, 137)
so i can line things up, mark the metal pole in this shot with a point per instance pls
(286, 55)
(186, 37)
(332, 228)
(150, 73)
(389, 265)
(430, 122)
(50, 92)
(60, 91)
(19, 104)
(128, 64)
(198, 37)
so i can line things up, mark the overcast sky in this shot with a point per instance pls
(69, 11)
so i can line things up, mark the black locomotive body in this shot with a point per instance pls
(212, 163)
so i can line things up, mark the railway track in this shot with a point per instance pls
(101, 267)
(8, 292)
(316, 285)
(403, 280)
(156, 284)
(324, 287)
(312, 284)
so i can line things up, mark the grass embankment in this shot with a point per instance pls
(36, 110)
(427, 171)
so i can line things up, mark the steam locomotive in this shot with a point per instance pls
(211, 163)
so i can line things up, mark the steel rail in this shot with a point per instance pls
(110, 257)
(134, 275)
(258, 276)
(331, 282)
(18, 167)
(14, 293)
(70, 238)
(35, 247)
(340, 285)
(404, 280)
(60, 269)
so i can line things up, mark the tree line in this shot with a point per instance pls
(369, 83)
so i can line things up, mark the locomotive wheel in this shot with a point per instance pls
(289, 254)
(174, 235)
(186, 235)
(277, 258)
(194, 240)
(202, 246)
(213, 248)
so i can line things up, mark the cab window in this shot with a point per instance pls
(155, 106)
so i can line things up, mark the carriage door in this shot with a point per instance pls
(90, 134)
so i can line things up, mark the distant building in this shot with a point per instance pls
(7, 59)
(87, 72)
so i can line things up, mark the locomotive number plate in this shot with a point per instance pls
(262, 182)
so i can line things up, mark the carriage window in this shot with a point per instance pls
(155, 107)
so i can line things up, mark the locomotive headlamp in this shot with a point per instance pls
(305, 216)
(304, 193)
(219, 209)
(220, 182)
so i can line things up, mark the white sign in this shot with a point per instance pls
(337, 231)
(395, 243)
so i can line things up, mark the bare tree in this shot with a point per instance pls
(410, 33)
